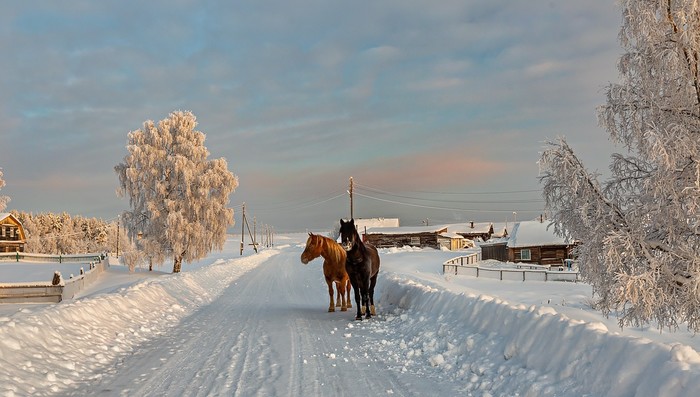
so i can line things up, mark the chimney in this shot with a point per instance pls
(471, 224)
(541, 218)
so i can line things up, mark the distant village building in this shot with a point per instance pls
(475, 231)
(535, 242)
(363, 224)
(414, 236)
(12, 236)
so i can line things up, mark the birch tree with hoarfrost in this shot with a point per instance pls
(178, 198)
(639, 230)
(3, 199)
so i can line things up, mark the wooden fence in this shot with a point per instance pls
(46, 292)
(467, 265)
(44, 258)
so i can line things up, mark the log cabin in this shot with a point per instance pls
(12, 236)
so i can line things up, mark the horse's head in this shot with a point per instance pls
(348, 234)
(312, 250)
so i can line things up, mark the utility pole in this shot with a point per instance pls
(350, 191)
(242, 228)
(119, 217)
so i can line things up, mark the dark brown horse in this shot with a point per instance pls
(333, 268)
(362, 265)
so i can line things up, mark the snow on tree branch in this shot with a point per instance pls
(639, 231)
(3, 199)
(178, 197)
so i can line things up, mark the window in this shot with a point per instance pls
(525, 254)
(415, 241)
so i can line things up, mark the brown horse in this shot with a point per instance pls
(333, 268)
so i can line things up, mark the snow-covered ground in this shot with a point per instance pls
(256, 325)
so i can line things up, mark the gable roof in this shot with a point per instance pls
(5, 215)
(533, 234)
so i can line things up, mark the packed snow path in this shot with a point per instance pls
(268, 334)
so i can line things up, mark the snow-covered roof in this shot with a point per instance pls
(451, 235)
(407, 230)
(533, 233)
(5, 215)
(466, 228)
(362, 223)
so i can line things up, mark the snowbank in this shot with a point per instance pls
(494, 345)
(62, 344)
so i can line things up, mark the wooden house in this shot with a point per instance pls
(535, 242)
(475, 231)
(414, 236)
(12, 236)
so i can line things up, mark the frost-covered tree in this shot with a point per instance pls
(3, 199)
(639, 230)
(178, 198)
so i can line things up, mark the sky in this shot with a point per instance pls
(438, 111)
(258, 324)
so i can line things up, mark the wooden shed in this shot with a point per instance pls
(12, 236)
(418, 236)
(453, 241)
(535, 242)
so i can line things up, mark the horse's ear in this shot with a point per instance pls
(310, 234)
(342, 221)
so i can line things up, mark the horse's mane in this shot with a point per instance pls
(333, 248)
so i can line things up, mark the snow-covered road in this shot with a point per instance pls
(268, 334)
(257, 325)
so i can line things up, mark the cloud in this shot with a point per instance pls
(298, 96)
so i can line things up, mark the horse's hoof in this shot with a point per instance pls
(373, 310)
(358, 318)
(331, 309)
(343, 309)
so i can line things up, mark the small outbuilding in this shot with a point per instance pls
(12, 236)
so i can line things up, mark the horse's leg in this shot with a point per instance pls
(348, 287)
(365, 303)
(338, 295)
(340, 287)
(356, 287)
(331, 305)
(372, 283)
(364, 289)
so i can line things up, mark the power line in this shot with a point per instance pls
(442, 208)
(299, 206)
(522, 201)
(455, 193)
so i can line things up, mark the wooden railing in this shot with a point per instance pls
(46, 292)
(468, 266)
(45, 258)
